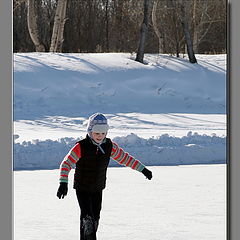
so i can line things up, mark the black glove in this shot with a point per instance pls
(62, 190)
(147, 173)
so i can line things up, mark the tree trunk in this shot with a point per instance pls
(176, 35)
(33, 27)
(58, 28)
(156, 30)
(187, 36)
(195, 30)
(143, 32)
(107, 24)
(17, 4)
(60, 38)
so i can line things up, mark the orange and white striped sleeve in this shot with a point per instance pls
(69, 162)
(123, 158)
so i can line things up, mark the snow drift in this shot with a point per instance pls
(165, 150)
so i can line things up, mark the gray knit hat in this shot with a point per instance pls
(97, 123)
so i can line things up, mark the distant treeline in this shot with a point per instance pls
(114, 25)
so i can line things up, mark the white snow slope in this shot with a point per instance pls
(165, 112)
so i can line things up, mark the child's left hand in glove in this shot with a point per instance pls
(147, 173)
(62, 190)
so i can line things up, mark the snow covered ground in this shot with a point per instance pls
(121, 124)
(75, 85)
(168, 107)
(168, 113)
(179, 203)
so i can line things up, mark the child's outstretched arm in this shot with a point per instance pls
(68, 163)
(123, 158)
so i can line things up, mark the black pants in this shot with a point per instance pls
(90, 205)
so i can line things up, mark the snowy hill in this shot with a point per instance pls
(152, 107)
(79, 84)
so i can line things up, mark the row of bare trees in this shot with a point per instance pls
(155, 26)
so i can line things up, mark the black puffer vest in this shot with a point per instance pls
(91, 168)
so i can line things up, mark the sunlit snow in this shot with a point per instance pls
(179, 203)
(168, 113)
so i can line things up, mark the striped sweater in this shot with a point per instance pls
(117, 154)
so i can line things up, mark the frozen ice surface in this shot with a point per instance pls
(180, 202)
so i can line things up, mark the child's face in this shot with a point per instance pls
(98, 137)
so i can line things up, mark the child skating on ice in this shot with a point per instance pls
(90, 158)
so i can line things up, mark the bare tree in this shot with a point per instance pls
(184, 20)
(203, 20)
(17, 4)
(143, 32)
(119, 12)
(33, 25)
(200, 29)
(167, 26)
(155, 27)
(58, 28)
(107, 23)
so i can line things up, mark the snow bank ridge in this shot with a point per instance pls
(164, 150)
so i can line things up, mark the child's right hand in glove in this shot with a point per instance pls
(62, 190)
(147, 173)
